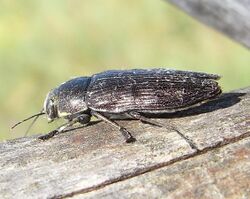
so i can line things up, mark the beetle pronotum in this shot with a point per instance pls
(126, 94)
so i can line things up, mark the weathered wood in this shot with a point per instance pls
(222, 173)
(228, 16)
(94, 159)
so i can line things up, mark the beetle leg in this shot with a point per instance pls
(138, 116)
(48, 135)
(142, 118)
(127, 135)
(56, 131)
(83, 119)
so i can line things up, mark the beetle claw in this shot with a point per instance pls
(130, 140)
(127, 135)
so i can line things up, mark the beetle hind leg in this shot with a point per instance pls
(144, 119)
(147, 120)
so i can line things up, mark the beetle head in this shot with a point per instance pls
(67, 99)
(50, 106)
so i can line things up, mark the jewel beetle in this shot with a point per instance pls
(126, 94)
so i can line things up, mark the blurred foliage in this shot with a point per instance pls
(44, 43)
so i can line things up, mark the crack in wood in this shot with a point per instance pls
(139, 172)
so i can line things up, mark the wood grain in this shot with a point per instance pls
(221, 173)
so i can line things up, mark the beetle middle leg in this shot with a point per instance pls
(127, 135)
(83, 119)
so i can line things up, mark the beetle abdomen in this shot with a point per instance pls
(155, 90)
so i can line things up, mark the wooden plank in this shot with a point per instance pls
(220, 173)
(83, 159)
(228, 16)
(96, 156)
(223, 123)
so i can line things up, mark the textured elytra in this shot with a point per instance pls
(155, 90)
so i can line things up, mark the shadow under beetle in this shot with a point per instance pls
(120, 94)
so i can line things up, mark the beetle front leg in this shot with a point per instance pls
(56, 131)
(83, 119)
(48, 135)
(127, 135)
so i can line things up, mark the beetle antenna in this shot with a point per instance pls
(32, 123)
(26, 119)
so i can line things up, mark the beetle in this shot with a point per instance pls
(126, 94)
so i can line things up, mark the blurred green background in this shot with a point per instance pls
(43, 43)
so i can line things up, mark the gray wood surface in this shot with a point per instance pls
(222, 173)
(210, 158)
(228, 16)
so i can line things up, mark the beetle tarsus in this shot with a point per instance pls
(48, 135)
(127, 135)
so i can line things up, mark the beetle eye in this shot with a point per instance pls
(52, 110)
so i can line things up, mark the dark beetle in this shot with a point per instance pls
(127, 93)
